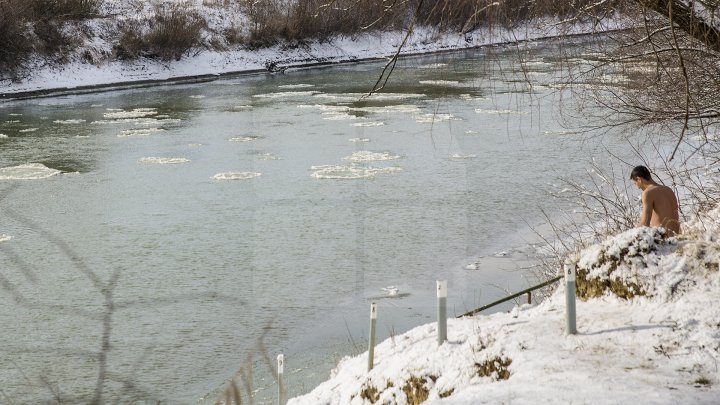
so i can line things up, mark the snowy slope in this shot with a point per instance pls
(660, 347)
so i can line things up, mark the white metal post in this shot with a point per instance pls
(442, 311)
(280, 373)
(569, 271)
(373, 325)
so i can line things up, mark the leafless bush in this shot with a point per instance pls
(15, 44)
(65, 9)
(173, 31)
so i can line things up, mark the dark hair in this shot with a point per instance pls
(640, 171)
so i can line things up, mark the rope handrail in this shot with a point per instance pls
(508, 298)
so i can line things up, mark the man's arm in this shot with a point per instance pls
(647, 208)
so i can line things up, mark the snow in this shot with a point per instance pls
(79, 75)
(661, 346)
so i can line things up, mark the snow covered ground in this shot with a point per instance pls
(661, 346)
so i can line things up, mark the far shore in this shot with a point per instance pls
(113, 83)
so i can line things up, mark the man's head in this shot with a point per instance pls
(641, 176)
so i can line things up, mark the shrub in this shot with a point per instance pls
(173, 31)
(15, 44)
(64, 9)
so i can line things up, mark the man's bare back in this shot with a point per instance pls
(660, 206)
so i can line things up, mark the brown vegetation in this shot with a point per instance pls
(495, 368)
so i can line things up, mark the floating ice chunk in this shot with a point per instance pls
(12, 121)
(236, 175)
(28, 171)
(136, 113)
(128, 133)
(350, 172)
(501, 254)
(199, 96)
(367, 156)
(472, 266)
(432, 66)
(15, 115)
(368, 124)
(471, 132)
(339, 116)
(69, 122)
(431, 118)
(390, 290)
(4, 238)
(244, 138)
(3, 136)
(287, 94)
(484, 111)
(440, 82)
(458, 156)
(295, 86)
(359, 140)
(163, 160)
(29, 130)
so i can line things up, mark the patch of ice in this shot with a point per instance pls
(162, 160)
(236, 175)
(432, 66)
(339, 116)
(368, 124)
(402, 108)
(12, 121)
(5, 238)
(367, 156)
(440, 82)
(390, 290)
(295, 86)
(28, 171)
(359, 140)
(198, 96)
(3, 136)
(128, 133)
(244, 138)
(350, 172)
(69, 122)
(29, 130)
(459, 156)
(431, 118)
(287, 94)
(136, 113)
(484, 111)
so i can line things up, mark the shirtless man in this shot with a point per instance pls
(660, 206)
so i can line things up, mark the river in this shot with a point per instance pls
(154, 241)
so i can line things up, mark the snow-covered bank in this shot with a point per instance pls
(661, 346)
(79, 76)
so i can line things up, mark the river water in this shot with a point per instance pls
(155, 241)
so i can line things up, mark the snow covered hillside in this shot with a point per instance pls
(648, 333)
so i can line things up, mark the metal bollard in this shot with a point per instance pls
(280, 372)
(442, 311)
(373, 325)
(569, 271)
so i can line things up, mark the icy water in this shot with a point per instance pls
(153, 242)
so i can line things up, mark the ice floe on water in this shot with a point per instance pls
(236, 175)
(457, 156)
(163, 160)
(402, 108)
(135, 113)
(12, 121)
(287, 94)
(440, 82)
(432, 118)
(28, 171)
(4, 238)
(248, 138)
(28, 130)
(15, 115)
(432, 66)
(368, 124)
(471, 132)
(198, 96)
(266, 156)
(295, 86)
(339, 116)
(349, 97)
(69, 122)
(484, 111)
(350, 172)
(3, 136)
(367, 156)
(129, 133)
(358, 140)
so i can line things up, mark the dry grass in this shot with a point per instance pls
(495, 368)
(416, 391)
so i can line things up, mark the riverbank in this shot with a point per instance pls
(661, 346)
(78, 77)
